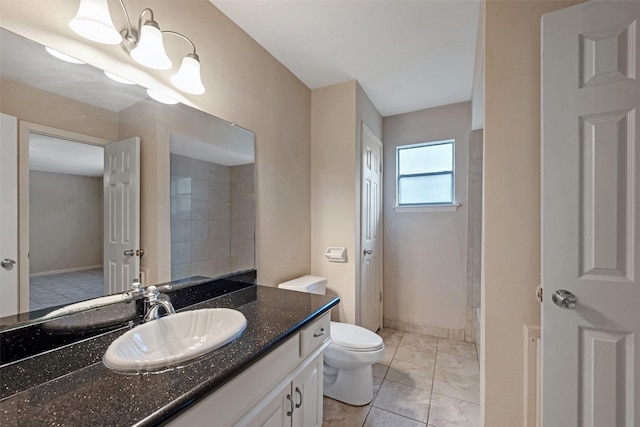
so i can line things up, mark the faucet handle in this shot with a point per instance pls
(151, 294)
(136, 287)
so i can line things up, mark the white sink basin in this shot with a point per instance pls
(174, 339)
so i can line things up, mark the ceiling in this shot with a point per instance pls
(407, 55)
(55, 155)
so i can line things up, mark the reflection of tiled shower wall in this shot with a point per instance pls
(474, 233)
(243, 215)
(209, 222)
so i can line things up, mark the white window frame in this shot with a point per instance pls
(427, 207)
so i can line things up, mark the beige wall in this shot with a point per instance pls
(245, 84)
(336, 115)
(425, 252)
(65, 221)
(511, 235)
(333, 122)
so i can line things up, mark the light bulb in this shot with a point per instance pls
(150, 49)
(93, 22)
(188, 78)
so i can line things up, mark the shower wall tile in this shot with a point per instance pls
(199, 250)
(220, 192)
(180, 186)
(200, 169)
(220, 211)
(243, 230)
(199, 230)
(181, 252)
(204, 199)
(180, 165)
(200, 189)
(199, 209)
(244, 210)
(180, 231)
(474, 230)
(219, 230)
(180, 271)
(219, 248)
(219, 173)
(180, 209)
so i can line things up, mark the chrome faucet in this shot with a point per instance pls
(152, 304)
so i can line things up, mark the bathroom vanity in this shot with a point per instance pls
(270, 375)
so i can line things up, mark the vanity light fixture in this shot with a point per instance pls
(145, 44)
(62, 56)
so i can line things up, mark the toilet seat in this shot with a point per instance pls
(354, 338)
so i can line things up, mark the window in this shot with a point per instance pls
(425, 174)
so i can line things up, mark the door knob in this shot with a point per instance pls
(564, 299)
(7, 263)
(131, 252)
(368, 251)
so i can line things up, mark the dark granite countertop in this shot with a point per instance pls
(66, 386)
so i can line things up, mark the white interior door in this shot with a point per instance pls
(121, 215)
(8, 215)
(371, 234)
(591, 215)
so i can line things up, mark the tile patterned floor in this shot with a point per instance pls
(65, 288)
(422, 381)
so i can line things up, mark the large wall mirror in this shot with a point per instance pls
(112, 185)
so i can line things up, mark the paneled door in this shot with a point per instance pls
(8, 215)
(591, 215)
(121, 215)
(371, 232)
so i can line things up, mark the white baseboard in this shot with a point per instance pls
(65, 270)
(426, 329)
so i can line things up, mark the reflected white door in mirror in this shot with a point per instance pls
(8, 214)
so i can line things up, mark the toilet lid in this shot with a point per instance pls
(354, 337)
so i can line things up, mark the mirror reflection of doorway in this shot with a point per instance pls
(65, 221)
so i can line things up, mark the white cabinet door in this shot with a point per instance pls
(307, 395)
(277, 412)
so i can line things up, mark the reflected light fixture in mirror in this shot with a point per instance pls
(117, 78)
(161, 97)
(63, 56)
(144, 45)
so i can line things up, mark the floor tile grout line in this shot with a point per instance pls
(457, 398)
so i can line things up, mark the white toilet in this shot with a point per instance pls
(348, 359)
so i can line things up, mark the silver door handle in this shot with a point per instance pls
(319, 333)
(564, 299)
(368, 251)
(7, 263)
(131, 252)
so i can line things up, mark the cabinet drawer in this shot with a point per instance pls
(313, 335)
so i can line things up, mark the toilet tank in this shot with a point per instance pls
(311, 284)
